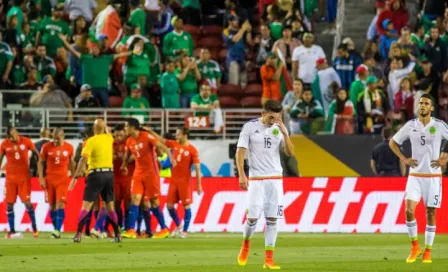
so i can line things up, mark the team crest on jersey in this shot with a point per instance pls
(186, 153)
(275, 131)
(22, 147)
(65, 153)
(15, 148)
(140, 145)
(432, 130)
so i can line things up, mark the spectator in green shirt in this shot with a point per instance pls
(6, 61)
(95, 68)
(209, 102)
(170, 88)
(44, 64)
(177, 42)
(17, 10)
(138, 66)
(49, 30)
(191, 12)
(209, 69)
(136, 101)
(188, 77)
(137, 17)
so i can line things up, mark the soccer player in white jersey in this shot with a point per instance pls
(263, 138)
(425, 176)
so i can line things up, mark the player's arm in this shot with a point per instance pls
(155, 134)
(398, 139)
(165, 149)
(197, 168)
(288, 145)
(40, 171)
(81, 167)
(72, 165)
(373, 167)
(1, 158)
(125, 162)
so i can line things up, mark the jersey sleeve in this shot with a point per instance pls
(87, 149)
(2, 148)
(243, 141)
(170, 143)
(127, 143)
(43, 152)
(403, 134)
(194, 155)
(152, 140)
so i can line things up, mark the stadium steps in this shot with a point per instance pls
(325, 41)
(358, 15)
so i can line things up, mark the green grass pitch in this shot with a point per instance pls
(218, 252)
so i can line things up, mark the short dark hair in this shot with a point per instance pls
(119, 127)
(185, 131)
(428, 97)
(132, 122)
(169, 136)
(18, 2)
(41, 44)
(343, 46)
(272, 106)
(387, 133)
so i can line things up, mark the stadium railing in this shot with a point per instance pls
(339, 25)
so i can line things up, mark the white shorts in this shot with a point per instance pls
(265, 196)
(428, 188)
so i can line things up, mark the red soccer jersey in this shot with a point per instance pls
(58, 159)
(185, 156)
(143, 150)
(119, 149)
(17, 162)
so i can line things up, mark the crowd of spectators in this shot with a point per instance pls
(170, 54)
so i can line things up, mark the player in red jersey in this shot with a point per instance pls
(122, 182)
(185, 155)
(59, 157)
(145, 180)
(16, 148)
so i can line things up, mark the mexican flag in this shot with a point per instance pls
(285, 80)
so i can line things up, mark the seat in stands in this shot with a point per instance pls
(230, 90)
(228, 102)
(251, 102)
(115, 101)
(253, 90)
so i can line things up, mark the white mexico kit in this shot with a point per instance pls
(265, 190)
(424, 180)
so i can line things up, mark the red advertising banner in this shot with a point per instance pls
(311, 205)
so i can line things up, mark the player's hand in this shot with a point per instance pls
(199, 189)
(244, 182)
(72, 184)
(411, 162)
(173, 161)
(43, 184)
(124, 170)
(439, 163)
(281, 126)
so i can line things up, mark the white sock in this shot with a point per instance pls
(249, 229)
(430, 234)
(412, 229)
(270, 234)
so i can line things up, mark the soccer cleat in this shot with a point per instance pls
(106, 235)
(269, 264)
(183, 234)
(145, 235)
(243, 256)
(427, 256)
(56, 234)
(14, 235)
(117, 238)
(415, 253)
(35, 234)
(95, 233)
(130, 234)
(77, 238)
(177, 231)
(162, 234)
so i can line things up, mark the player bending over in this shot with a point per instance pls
(185, 155)
(425, 176)
(16, 148)
(145, 180)
(263, 138)
(59, 158)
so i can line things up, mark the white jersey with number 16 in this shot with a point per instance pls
(263, 144)
(425, 143)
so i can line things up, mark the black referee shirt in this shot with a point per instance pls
(386, 161)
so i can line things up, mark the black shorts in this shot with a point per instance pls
(99, 184)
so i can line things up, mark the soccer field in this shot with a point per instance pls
(218, 252)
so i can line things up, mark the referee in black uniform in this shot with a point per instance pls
(383, 161)
(98, 153)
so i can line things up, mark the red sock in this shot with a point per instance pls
(269, 254)
(415, 243)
